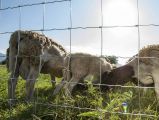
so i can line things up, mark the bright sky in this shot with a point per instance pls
(119, 41)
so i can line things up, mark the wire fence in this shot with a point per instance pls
(70, 28)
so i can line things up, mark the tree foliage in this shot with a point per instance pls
(112, 59)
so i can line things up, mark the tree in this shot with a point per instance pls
(112, 59)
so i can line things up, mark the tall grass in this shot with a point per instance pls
(89, 104)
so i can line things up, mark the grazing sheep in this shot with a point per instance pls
(143, 71)
(117, 76)
(80, 66)
(30, 53)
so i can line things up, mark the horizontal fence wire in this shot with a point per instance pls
(85, 84)
(88, 27)
(34, 4)
(85, 108)
(81, 108)
(97, 56)
(100, 110)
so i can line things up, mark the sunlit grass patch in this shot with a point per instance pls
(87, 104)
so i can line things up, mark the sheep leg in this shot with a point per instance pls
(12, 59)
(53, 82)
(58, 87)
(12, 82)
(156, 83)
(157, 90)
(30, 88)
(71, 84)
(66, 75)
(30, 82)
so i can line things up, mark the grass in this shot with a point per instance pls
(84, 105)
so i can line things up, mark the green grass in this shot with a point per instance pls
(84, 105)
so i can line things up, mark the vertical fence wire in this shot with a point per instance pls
(44, 9)
(14, 77)
(70, 29)
(101, 51)
(138, 62)
(68, 69)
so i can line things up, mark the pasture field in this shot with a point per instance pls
(88, 104)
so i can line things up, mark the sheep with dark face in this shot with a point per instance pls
(118, 76)
(30, 53)
(142, 69)
(79, 66)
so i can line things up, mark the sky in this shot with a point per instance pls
(119, 41)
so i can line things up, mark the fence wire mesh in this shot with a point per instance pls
(37, 101)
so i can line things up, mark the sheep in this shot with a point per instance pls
(142, 69)
(79, 66)
(118, 76)
(30, 53)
